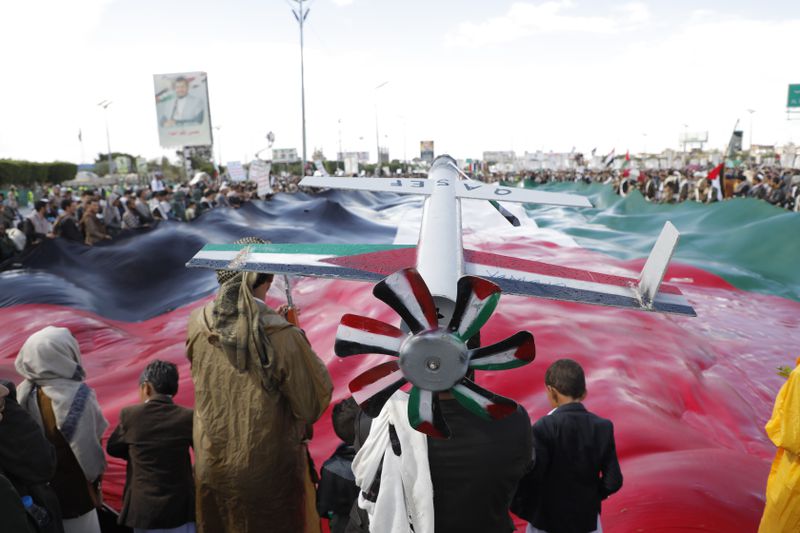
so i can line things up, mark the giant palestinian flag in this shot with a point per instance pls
(689, 396)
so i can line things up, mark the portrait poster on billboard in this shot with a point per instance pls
(426, 151)
(182, 109)
(122, 164)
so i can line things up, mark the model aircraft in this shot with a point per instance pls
(445, 293)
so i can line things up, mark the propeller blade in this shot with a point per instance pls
(406, 292)
(482, 402)
(425, 415)
(517, 350)
(475, 302)
(361, 334)
(372, 388)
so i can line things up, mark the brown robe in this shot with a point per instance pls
(93, 228)
(251, 468)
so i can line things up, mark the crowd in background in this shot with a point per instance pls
(93, 215)
(778, 186)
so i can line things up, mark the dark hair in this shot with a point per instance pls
(162, 375)
(66, 202)
(39, 205)
(344, 420)
(180, 79)
(566, 376)
(263, 278)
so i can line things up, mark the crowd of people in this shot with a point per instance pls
(778, 186)
(259, 387)
(90, 216)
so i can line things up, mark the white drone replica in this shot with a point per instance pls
(445, 294)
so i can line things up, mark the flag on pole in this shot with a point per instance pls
(715, 177)
(609, 159)
(626, 165)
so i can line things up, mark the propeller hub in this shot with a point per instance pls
(434, 360)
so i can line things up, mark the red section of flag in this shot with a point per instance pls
(714, 174)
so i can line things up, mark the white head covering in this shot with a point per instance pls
(51, 359)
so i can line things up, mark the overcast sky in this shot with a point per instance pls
(470, 75)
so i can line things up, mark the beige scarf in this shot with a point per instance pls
(237, 320)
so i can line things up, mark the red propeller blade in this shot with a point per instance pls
(406, 292)
(361, 334)
(373, 388)
(425, 415)
(482, 402)
(517, 350)
(476, 299)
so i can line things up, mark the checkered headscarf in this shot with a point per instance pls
(227, 275)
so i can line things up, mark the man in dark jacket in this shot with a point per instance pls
(27, 463)
(576, 463)
(66, 225)
(154, 437)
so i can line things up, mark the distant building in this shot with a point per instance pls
(361, 157)
(501, 157)
(285, 155)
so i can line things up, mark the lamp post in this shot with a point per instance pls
(300, 14)
(377, 135)
(685, 133)
(751, 111)
(219, 145)
(104, 104)
(341, 154)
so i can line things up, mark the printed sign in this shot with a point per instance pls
(794, 96)
(236, 171)
(182, 109)
(141, 165)
(259, 172)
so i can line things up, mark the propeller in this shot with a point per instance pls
(433, 358)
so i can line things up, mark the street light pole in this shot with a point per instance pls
(685, 135)
(301, 15)
(751, 111)
(104, 104)
(377, 135)
(341, 154)
(219, 145)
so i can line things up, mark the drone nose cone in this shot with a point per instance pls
(443, 160)
(434, 361)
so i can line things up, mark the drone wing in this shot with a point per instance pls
(543, 280)
(360, 262)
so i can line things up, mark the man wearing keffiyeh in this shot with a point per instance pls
(258, 388)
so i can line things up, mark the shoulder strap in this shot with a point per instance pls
(55, 436)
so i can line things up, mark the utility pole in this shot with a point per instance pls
(219, 145)
(104, 104)
(301, 15)
(685, 134)
(377, 135)
(751, 111)
(341, 154)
